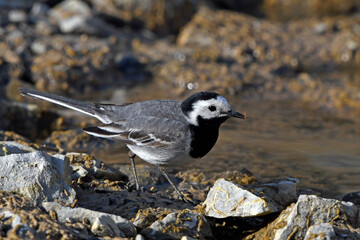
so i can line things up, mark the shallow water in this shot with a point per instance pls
(280, 139)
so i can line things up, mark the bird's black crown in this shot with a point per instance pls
(187, 104)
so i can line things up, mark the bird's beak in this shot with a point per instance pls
(236, 114)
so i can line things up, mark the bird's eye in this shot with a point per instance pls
(212, 108)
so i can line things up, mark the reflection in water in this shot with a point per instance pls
(284, 139)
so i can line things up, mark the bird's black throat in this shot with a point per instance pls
(204, 136)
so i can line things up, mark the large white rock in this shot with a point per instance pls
(227, 199)
(102, 223)
(38, 176)
(313, 217)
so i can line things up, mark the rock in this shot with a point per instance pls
(227, 199)
(22, 220)
(38, 47)
(160, 16)
(38, 176)
(320, 231)
(145, 217)
(70, 8)
(139, 237)
(12, 147)
(85, 165)
(105, 226)
(39, 9)
(101, 222)
(78, 172)
(313, 217)
(187, 238)
(175, 225)
(13, 223)
(17, 16)
(75, 16)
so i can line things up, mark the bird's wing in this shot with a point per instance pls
(143, 131)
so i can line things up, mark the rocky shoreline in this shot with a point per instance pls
(76, 196)
(105, 50)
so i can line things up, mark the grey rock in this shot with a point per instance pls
(72, 24)
(15, 222)
(78, 214)
(227, 199)
(70, 8)
(139, 237)
(38, 47)
(320, 28)
(75, 16)
(162, 17)
(175, 225)
(322, 231)
(17, 16)
(105, 226)
(39, 9)
(12, 147)
(313, 217)
(38, 176)
(78, 172)
(70, 15)
(187, 238)
(98, 170)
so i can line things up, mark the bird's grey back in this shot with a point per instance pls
(156, 108)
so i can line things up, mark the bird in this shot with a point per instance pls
(161, 132)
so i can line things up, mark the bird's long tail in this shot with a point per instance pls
(87, 108)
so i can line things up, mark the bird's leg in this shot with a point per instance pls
(132, 157)
(181, 196)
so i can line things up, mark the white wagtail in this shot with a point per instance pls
(161, 132)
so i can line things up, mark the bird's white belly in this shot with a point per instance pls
(161, 157)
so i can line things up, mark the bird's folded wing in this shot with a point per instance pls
(142, 131)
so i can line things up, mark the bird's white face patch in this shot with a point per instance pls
(208, 109)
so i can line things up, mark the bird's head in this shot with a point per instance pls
(207, 107)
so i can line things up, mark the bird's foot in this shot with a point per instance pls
(134, 187)
(186, 198)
